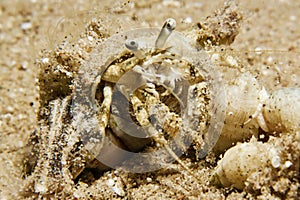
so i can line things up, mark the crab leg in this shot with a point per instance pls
(165, 32)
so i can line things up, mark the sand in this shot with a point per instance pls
(27, 27)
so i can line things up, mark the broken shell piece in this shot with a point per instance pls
(116, 185)
(245, 98)
(281, 110)
(250, 107)
(240, 161)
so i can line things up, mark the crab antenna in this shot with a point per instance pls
(165, 32)
(134, 47)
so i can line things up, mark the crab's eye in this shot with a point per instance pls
(131, 45)
(168, 27)
(170, 24)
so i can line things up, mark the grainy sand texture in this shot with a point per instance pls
(43, 44)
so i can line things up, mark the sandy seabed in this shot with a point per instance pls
(27, 27)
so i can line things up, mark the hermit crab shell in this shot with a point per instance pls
(281, 110)
(85, 109)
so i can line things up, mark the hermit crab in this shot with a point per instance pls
(159, 87)
(175, 97)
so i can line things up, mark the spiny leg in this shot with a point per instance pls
(157, 135)
(162, 141)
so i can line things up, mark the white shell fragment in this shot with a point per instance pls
(282, 110)
(250, 107)
(26, 25)
(245, 98)
(240, 161)
(116, 185)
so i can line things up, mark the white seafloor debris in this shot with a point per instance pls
(255, 163)
(240, 161)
